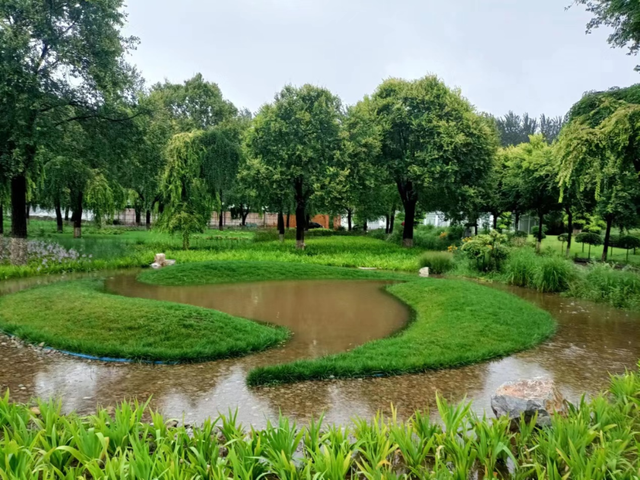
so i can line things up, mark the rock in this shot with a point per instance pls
(35, 410)
(424, 272)
(161, 261)
(528, 397)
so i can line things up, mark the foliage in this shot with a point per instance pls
(296, 139)
(486, 252)
(107, 325)
(515, 129)
(595, 440)
(433, 143)
(589, 238)
(438, 262)
(603, 283)
(189, 200)
(553, 274)
(500, 324)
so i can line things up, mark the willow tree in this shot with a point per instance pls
(433, 143)
(298, 136)
(188, 198)
(600, 152)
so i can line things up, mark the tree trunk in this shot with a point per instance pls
(607, 238)
(19, 206)
(349, 221)
(221, 219)
(570, 231)
(475, 229)
(288, 220)
(281, 226)
(386, 223)
(539, 239)
(365, 226)
(393, 220)
(245, 214)
(495, 221)
(160, 208)
(138, 216)
(77, 217)
(66, 214)
(148, 219)
(409, 219)
(1, 220)
(59, 222)
(301, 215)
(517, 220)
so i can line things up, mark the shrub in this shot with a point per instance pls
(553, 274)
(438, 262)
(486, 252)
(603, 283)
(520, 267)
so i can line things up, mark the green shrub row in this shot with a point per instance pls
(596, 440)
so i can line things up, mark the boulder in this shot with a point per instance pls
(424, 272)
(539, 395)
(161, 261)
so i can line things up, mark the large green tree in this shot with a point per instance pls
(60, 61)
(433, 143)
(298, 136)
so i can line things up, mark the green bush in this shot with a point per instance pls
(486, 253)
(553, 274)
(438, 262)
(603, 283)
(521, 266)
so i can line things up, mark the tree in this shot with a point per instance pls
(60, 61)
(298, 136)
(184, 187)
(433, 143)
(620, 15)
(515, 129)
(532, 172)
(599, 151)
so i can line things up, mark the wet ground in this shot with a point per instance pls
(592, 341)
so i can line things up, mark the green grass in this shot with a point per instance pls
(79, 317)
(438, 263)
(456, 323)
(596, 439)
(210, 273)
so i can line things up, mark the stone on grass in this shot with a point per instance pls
(528, 397)
(161, 261)
(424, 272)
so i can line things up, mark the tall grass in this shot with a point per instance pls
(438, 262)
(595, 440)
(603, 283)
(525, 268)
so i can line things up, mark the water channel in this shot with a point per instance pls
(325, 317)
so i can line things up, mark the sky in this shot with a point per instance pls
(520, 55)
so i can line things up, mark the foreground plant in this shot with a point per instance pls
(596, 439)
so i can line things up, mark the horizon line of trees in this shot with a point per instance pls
(79, 131)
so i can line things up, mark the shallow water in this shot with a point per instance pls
(324, 316)
(592, 341)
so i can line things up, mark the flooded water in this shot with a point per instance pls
(325, 317)
(592, 341)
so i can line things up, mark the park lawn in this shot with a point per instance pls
(456, 323)
(618, 255)
(79, 317)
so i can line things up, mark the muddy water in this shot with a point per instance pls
(324, 316)
(592, 341)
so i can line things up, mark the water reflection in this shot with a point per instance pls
(592, 340)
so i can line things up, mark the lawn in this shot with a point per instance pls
(79, 317)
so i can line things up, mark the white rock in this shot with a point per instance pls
(528, 397)
(424, 272)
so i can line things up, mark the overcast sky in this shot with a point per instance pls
(504, 55)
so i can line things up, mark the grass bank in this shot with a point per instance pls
(455, 322)
(596, 440)
(80, 317)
